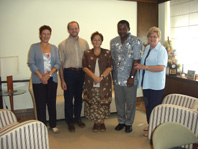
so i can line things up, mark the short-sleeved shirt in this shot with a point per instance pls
(157, 56)
(71, 52)
(123, 57)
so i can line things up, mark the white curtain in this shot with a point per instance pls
(184, 32)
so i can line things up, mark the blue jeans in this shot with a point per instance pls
(74, 80)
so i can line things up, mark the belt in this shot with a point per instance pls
(75, 69)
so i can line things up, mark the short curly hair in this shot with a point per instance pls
(44, 27)
(154, 29)
(96, 33)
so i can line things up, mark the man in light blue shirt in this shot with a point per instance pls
(126, 51)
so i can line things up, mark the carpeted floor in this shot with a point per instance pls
(84, 138)
(140, 104)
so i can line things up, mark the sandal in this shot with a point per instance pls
(55, 130)
(146, 128)
(102, 127)
(95, 127)
(146, 134)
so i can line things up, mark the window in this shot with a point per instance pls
(184, 32)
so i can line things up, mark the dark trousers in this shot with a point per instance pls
(46, 94)
(152, 98)
(74, 80)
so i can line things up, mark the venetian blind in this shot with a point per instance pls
(184, 32)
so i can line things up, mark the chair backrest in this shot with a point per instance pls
(60, 92)
(33, 99)
(29, 134)
(171, 134)
(180, 100)
(6, 118)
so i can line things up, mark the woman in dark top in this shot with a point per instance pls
(97, 94)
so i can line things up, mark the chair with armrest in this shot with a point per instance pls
(29, 134)
(171, 134)
(175, 108)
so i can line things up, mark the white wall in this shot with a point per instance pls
(20, 21)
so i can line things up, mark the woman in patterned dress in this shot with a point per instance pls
(97, 93)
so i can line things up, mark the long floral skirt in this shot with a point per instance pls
(95, 111)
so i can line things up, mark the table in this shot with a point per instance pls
(11, 94)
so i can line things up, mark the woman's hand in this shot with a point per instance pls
(139, 66)
(45, 78)
(97, 79)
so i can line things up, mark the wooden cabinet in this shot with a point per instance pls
(176, 84)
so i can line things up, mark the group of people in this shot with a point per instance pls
(85, 75)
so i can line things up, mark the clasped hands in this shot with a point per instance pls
(44, 79)
(97, 79)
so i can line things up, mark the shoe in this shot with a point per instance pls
(55, 130)
(146, 134)
(102, 127)
(119, 127)
(80, 123)
(128, 128)
(146, 128)
(71, 128)
(95, 128)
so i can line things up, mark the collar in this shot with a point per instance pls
(156, 47)
(71, 39)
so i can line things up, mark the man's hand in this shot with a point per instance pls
(63, 85)
(130, 82)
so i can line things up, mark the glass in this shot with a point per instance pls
(15, 92)
(155, 37)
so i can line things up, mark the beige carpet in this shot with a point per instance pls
(84, 138)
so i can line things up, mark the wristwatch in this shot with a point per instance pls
(50, 74)
(102, 76)
(131, 77)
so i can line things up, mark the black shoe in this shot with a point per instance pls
(128, 128)
(119, 127)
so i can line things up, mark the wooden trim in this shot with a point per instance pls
(145, 1)
(149, 1)
(162, 1)
(24, 111)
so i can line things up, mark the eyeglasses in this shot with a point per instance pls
(155, 37)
